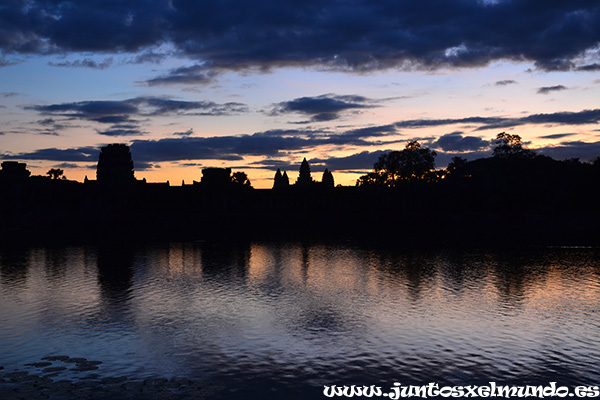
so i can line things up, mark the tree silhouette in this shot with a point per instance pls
(55, 173)
(507, 145)
(371, 179)
(240, 179)
(413, 163)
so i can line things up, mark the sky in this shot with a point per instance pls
(260, 85)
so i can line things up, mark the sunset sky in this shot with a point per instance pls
(259, 85)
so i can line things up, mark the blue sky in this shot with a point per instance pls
(261, 85)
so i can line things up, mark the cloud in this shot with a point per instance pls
(273, 163)
(189, 132)
(7, 63)
(222, 147)
(564, 118)
(74, 166)
(326, 107)
(144, 166)
(51, 126)
(8, 94)
(357, 36)
(148, 56)
(88, 153)
(48, 132)
(230, 148)
(589, 67)
(85, 63)
(456, 142)
(506, 82)
(122, 130)
(548, 89)
(572, 149)
(364, 160)
(193, 75)
(561, 118)
(122, 111)
(358, 161)
(557, 136)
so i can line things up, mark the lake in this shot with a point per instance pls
(283, 319)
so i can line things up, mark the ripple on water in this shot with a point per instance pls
(289, 314)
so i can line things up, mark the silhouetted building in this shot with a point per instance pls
(13, 171)
(327, 179)
(304, 179)
(281, 180)
(285, 179)
(115, 166)
(216, 177)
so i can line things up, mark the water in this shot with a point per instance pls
(287, 318)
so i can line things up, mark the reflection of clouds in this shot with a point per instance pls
(262, 308)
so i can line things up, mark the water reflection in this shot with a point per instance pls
(115, 272)
(14, 264)
(282, 315)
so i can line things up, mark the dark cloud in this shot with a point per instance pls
(47, 132)
(560, 118)
(359, 161)
(8, 62)
(189, 132)
(356, 35)
(557, 136)
(548, 89)
(423, 123)
(74, 166)
(51, 126)
(144, 166)
(148, 56)
(573, 149)
(273, 163)
(564, 118)
(456, 142)
(231, 148)
(326, 107)
(221, 147)
(122, 130)
(85, 63)
(194, 75)
(8, 94)
(88, 153)
(90, 110)
(365, 160)
(47, 121)
(506, 82)
(589, 67)
(372, 131)
(121, 111)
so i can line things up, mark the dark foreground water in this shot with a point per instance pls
(281, 320)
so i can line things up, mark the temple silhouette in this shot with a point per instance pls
(501, 199)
